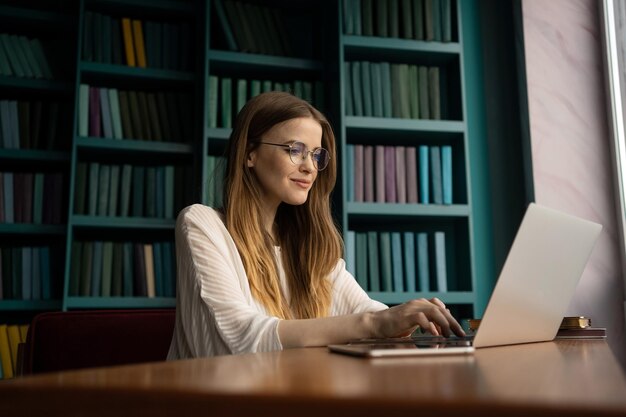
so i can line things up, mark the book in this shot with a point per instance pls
(114, 186)
(94, 112)
(424, 175)
(358, 174)
(373, 271)
(46, 273)
(411, 174)
(367, 23)
(379, 168)
(149, 268)
(86, 269)
(386, 267)
(396, 262)
(226, 102)
(127, 174)
(116, 116)
(440, 261)
(13, 333)
(418, 19)
(138, 191)
(107, 269)
(368, 173)
(401, 174)
(96, 268)
(75, 269)
(407, 19)
(394, 19)
(103, 190)
(435, 175)
(36, 274)
(434, 93)
(446, 173)
(158, 269)
(361, 263)
(410, 275)
(423, 91)
(357, 90)
(385, 69)
(129, 49)
(348, 19)
(117, 270)
(423, 262)
(390, 175)
(5, 353)
(366, 89)
(140, 284)
(377, 89)
(105, 109)
(127, 270)
(225, 25)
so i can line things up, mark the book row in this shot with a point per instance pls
(253, 27)
(129, 190)
(137, 43)
(398, 261)
(25, 273)
(155, 116)
(216, 167)
(227, 96)
(27, 197)
(400, 174)
(29, 125)
(123, 269)
(11, 335)
(428, 20)
(23, 57)
(381, 89)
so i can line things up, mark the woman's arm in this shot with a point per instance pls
(397, 321)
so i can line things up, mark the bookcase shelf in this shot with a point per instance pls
(450, 297)
(138, 223)
(407, 210)
(119, 302)
(34, 85)
(136, 146)
(29, 305)
(252, 62)
(114, 72)
(36, 17)
(379, 45)
(169, 7)
(219, 133)
(28, 155)
(354, 123)
(31, 229)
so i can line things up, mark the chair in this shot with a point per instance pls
(59, 341)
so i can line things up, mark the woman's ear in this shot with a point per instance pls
(251, 159)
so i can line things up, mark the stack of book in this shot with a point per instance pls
(253, 27)
(227, 96)
(11, 335)
(29, 124)
(381, 89)
(123, 269)
(25, 273)
(133, 42)
(129, 190)
(428, 20)
(23, 57)
(398, 261)
(27, 197)
(399, 174)
(156, 116)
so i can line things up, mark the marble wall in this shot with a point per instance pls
(570, 146)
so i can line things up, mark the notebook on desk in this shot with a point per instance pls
(530, 298)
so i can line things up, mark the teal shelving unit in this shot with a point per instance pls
(322, 49)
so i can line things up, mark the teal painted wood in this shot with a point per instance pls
(119, 302)
(28, 155)
(377, 44)
(32, 229)
(477, 155)
(219, 133)
(96, 222)
(450, 297)
(395, 124)
(34, 85)
(126, 72)
(29, 305)
(127, 145)
(409, 210)
(279, 63)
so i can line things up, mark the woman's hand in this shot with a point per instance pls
(402, 320)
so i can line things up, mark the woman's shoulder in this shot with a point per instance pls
(199, 213)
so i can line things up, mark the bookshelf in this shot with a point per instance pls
(195, 95)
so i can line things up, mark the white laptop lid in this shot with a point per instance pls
(538, 278)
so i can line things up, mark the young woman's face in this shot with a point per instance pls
(281, 179)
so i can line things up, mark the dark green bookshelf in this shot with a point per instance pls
(321, 51)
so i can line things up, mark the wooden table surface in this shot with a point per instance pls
(539, 379)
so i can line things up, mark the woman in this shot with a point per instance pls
(265, 272)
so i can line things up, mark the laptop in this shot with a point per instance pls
(530, 298)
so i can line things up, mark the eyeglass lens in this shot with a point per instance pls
(299, 153)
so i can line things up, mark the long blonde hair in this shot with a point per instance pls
(310, 242)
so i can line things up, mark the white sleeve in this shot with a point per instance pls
(348, 296)
(215, 272)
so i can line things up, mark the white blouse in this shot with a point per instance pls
(216, 313)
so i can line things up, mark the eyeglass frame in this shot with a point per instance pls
(307, 152)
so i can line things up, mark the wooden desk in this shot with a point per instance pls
(554, 378)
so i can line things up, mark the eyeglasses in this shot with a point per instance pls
(298, 153)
